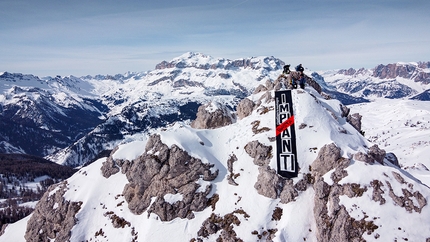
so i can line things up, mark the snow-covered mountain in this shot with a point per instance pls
(398, 80)
(168, 176)
(179, 183)
(87, 115)
(72, 120)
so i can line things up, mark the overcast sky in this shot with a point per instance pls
(80, 37)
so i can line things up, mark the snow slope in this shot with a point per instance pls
(324, 125)
(401, 127)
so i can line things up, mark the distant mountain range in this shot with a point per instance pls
(70, 120)
(156, 164)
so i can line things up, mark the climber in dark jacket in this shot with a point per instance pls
(286, 69)
(300, 68)
(292, 79)
(302, 80)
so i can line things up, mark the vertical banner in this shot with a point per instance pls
(285, 135)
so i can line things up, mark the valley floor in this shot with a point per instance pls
(401, 127)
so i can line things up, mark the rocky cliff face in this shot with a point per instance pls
(397, 80)
(54, 216)
(204, 62)
(213, 115)
(392, 71)
(160, 171)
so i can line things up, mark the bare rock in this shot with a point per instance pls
(53, 217)
(328, 158)
(245, 108)
(377, 192)
(260, 88)
(162, 171)
(109, 167)
(213, 115)
(288, 193)
(344, 111)
(215, 223)
(374, 154)
(335, 224)
(311, 82)
(355, 120)
(268, 184)
(360, 156)
(261, 153)
(269, 85)
(266, 97)
(231, 175)
(377, 154)
(405, 200)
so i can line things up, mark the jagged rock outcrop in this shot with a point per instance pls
(288, 193)
(191, 60)
(53, 217)
(216, 223)
(344, 111)
(282, 81)
(213, 115)
(374, 154)
(231, 175)
(328, 158)
(261, 153)
(162, 171)
(311, 82)
(245, 108)
(352, 71)
(333, 221)
(332, 218)
(354, 120)
(110, 167)
(377, 154)
(392, 71)
(268, 184)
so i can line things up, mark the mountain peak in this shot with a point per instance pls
(202, 61)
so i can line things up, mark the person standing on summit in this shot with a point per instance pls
(300, 68)
(293, 78)
(286, 70)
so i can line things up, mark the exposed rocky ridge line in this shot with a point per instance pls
(415, 71)
(213, 115)
(53, 217)
(193, 60)
(161, 171)
(403, 70)
(333, 221)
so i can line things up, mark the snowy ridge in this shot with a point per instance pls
(397, 80)
(125, 104)
(102, 201)
(161, 95)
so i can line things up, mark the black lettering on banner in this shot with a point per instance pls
(284, 108)
(287, 162)
(286, 146)
(287, 165)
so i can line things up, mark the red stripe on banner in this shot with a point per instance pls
(282, 127)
